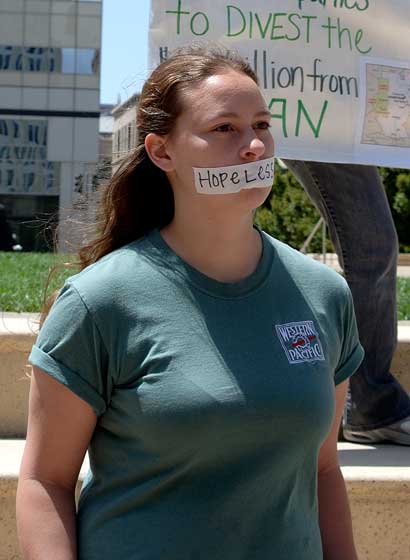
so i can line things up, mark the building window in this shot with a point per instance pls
(29, 177)
(23, 158)
(54, 60)
(35, 59)
(129, 137)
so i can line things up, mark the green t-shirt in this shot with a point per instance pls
(212, 401)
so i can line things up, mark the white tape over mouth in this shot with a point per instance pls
(233, 178)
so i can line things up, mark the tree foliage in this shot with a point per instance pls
(397, 184)
(288, 214)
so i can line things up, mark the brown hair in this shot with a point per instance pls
(139, 197)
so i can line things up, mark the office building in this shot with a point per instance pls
(49, 111)
(105, 132)
(124, 137)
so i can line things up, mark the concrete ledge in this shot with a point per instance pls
(18, 333)
(11, 452)
(378, 483)
(404, 259)
(400, 365)
(332, 260)
(377, 479)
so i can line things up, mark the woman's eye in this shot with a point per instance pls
(263, 125)
(224, 128)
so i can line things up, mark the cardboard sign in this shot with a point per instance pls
(335, 73)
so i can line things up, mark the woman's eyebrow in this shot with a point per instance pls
(236, 115)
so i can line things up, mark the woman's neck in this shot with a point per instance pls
(227, 249)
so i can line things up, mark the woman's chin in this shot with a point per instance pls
(245, 199)
(255, 197)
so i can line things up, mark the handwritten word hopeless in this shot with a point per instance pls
(233, 178)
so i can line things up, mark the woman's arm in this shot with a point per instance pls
(60, 427)
(334, 512)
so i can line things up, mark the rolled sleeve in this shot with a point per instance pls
(70, 349)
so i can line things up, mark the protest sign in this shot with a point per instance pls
(335, 73)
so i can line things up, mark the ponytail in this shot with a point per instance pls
(139, 197)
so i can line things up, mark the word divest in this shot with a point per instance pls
(335, 73)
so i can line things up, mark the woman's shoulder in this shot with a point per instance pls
(116, 277)
(307, 271)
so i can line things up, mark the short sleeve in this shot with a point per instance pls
(70, 349)
(352, 352)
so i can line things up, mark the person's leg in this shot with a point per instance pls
(352, 200)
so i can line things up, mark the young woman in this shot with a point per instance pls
(202, 363)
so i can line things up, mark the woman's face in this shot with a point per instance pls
(224, 121)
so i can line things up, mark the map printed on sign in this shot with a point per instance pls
(335, 73)
(387, 105)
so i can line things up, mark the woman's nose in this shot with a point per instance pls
(253, 149)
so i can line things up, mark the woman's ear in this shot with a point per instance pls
(156, 148)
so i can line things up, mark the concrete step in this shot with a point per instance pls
(400, 365)
(11, 452)
(377, 479)
(18, 333)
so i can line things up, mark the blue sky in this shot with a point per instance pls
(124, 48)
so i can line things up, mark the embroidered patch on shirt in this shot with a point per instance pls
(300, 341)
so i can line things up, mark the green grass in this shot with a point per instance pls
(23, 277)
